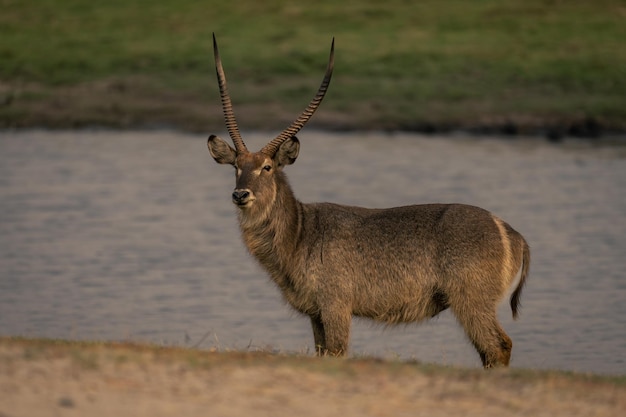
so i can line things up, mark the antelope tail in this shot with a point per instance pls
(515, 297)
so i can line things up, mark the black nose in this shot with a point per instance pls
(240, 196)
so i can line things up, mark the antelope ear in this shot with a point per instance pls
(288, 151)
(221, 151)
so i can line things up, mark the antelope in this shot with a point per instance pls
(396, 265)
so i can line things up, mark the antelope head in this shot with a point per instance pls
(259, 173)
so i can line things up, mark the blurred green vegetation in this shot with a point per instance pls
(399, 64)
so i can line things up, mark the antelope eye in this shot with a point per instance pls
(267, 168)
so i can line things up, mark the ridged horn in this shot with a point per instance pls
(227, 106)
(271, 148)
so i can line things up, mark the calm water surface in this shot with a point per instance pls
(132, 236)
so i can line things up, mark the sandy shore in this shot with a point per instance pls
(42, 377)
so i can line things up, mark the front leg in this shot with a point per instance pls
(318, 335)
(336, 331)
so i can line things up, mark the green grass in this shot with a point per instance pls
(399, 64)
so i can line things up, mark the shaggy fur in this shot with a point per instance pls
(396, 265)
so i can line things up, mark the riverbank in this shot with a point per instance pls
(40, 377)
(126, 104)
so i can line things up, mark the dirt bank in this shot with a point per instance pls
(135, 103)
(101, 379)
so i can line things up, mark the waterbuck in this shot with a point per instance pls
(395, 265)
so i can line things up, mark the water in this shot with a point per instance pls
(132, 236)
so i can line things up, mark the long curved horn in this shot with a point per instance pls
(271, 148)
(227, 106)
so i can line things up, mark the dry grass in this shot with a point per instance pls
(97, 379)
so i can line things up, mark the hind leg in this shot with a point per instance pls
(497, 354)
(492, 343)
